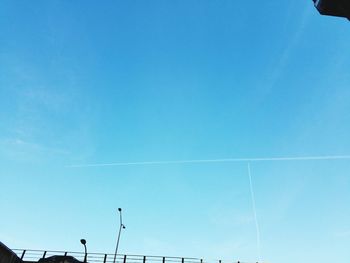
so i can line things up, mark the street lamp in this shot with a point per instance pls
(83, 241)
(121, 226)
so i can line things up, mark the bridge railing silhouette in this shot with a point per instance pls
(35, 255)
(30, 255)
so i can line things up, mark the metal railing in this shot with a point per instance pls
(35, 255)
(29, 255)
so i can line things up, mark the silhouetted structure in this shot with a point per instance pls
(44, 256)
(59, 259)
(7, 255)
(339, 8)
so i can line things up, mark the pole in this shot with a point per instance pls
(85, 257)
(120, 230)
(116, 248)
(83, 242)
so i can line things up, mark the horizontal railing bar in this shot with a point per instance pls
(100, 257)
(31, 251)
(171, 257)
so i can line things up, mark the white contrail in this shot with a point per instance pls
(258, 247)
(223, 160)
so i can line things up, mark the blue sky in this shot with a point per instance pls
(125, 81)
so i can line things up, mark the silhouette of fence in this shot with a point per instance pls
(34, 255)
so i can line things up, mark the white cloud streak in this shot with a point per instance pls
(222, 160)
(258, 243)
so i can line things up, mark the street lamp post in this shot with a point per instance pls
(121, 226)
(83, 241)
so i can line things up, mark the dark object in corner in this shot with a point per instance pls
(339, 8)
(7, 255)
(59, 259)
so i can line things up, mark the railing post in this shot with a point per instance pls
(163, 259)
(24, 251)
(44, 255)
(144, 259)
(124, 260)
(201, 260)
(105, 258)
(182, 260)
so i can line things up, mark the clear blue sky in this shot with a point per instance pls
(117, 81)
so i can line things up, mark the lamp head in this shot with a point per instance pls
(123, 226)
(119, 209)
(83, 241)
